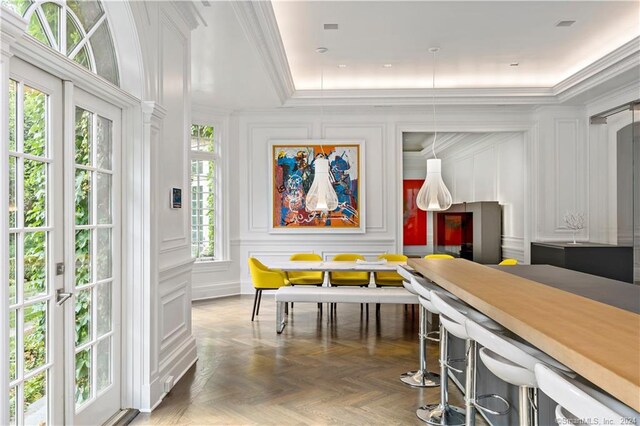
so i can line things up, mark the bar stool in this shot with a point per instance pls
(422, 378)
(453, 315)
(582, 404)
(513, 362)
(442, 413)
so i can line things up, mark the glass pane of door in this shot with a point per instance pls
(95, 335)
(34, 247)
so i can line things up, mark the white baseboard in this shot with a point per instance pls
(215, 290)
(176, 365)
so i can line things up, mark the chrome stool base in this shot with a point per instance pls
(439, 415)
(420, 379)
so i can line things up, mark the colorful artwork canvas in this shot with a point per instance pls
(292, 171)
(414, 220)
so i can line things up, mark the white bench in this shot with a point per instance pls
(300, 294)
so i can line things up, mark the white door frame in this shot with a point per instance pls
(75, 97)
(138, 257)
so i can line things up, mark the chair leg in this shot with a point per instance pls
(286, 308)
(259, 300)
(320, 308)
(255, 302)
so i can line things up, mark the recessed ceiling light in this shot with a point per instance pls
(342, 65)
(565, 23)
(514, 64)
(387, 65)
(322, 50)
(330, 26)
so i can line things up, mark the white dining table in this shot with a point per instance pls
(328, 266)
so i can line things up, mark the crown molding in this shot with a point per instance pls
(622, 59)
(259, 24)
(151, 109)
(444, 144)
(387, 110)
(443, 96)
(189, 13)
(481, 141)
(628, 93)
(12, 28)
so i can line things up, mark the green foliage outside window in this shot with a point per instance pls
(34, 245)
(203, 168)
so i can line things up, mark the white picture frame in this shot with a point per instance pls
(276, 147)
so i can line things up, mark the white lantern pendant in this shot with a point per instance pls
(434, 195)
(321, 196)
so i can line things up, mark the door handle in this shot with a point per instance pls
(62, 297)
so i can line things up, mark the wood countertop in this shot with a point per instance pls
(598, 341)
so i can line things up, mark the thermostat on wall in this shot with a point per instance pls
(176, 198)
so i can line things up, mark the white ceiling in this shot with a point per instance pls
(226, 71)
(479, 40)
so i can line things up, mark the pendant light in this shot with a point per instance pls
(321, 196)
(434, 195)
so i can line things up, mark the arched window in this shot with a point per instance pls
(76, 28)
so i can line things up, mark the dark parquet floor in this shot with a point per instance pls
(341, 371)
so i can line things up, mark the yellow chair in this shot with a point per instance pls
(306, 277)
(508, 262)
(389, 279)
(439, 256)
(264, 278)
(340, 278)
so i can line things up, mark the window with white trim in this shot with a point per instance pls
(205, 160)
(78, 29)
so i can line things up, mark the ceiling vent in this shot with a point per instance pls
(330, 26)
(565, 23)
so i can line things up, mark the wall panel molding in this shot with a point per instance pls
(252, 143)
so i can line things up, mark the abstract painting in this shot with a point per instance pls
(292, 172)
(414, 220)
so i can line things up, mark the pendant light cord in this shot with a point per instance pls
(321, 101)
(321, 51)
(433, 101)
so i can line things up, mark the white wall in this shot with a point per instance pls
(560, 171)
(381, 131)
(253, 187)
(169, 347)
(492, 168)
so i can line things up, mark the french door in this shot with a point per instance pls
(64, 242)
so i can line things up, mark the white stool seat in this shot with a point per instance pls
(454, 314)
(406, 272)
(429, 306)
(514, 363)
(506, 370)
(511, 350)
(578, 401)
(409, 287)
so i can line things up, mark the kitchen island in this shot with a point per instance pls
(591, 324)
